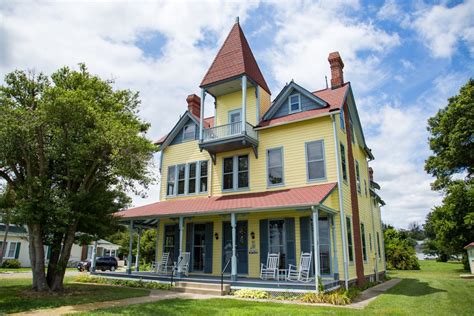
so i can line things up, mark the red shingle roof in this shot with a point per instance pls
(334, 98)
(297, 197)
(470, 245)
(233, 59)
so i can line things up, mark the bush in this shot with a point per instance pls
(254, 294)
(84, 278)
(399, 250)
(11, 264)
(338, 297)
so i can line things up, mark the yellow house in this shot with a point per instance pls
(287, 178)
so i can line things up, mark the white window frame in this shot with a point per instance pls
(235, 173)
(177, 179)
(308, 161)
(282, 183)
(299, 103)
(9, 248)
(357, 171)
(200, 176)
(188, 178)
(184, 139)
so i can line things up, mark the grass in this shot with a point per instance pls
(16, 296)
(21, 270)
(434, 290)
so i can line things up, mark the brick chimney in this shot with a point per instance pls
(371, 174)
(337, 76)
(194, 104)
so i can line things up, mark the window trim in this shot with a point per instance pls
(239, 110)
(357, 174)
(188, 177)
(184, 133)
(269, 184)
(177, 179)
(307, 161)
(235, 173)
(299, 103)
(199, 180)
(350, 242)
(168, 181)
(364, 242)
(8, 249)
(342, 148)
(342, 121)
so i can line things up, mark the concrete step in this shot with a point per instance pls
(211, 286)
(198, 290)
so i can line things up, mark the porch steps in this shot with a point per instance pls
(201, 288)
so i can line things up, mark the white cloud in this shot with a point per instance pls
(390, 11)
(302, 47)
(444, 28)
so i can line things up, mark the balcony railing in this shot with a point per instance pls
(228, 131)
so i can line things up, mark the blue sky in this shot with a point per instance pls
(403, 58)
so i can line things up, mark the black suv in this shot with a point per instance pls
(101, 263)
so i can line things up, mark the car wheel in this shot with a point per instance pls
(112, 268)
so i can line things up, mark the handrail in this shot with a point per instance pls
(228, 130)
(222, 275)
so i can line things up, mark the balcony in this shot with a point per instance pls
(228, 137)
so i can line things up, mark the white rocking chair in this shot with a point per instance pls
(163, 266)
(183, 263)
(301, 273)
(270, 270)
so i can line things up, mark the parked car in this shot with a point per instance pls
(101, 263)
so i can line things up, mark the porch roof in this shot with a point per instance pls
(279, 199)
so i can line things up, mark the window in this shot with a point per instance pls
(352, 132)
(378, 246)
(189, 132)
(370, 242)
(343, 162)
(341, 120)
(364, 245)
(11, 248)
(294, 103)
(277, 239)
(181, 178)
(275, 166)
(171, 180)
(192, 178)
(315, 160)
(365, 187)
(349, 239)
(357, 175)
(236, 172)
(169, 241)
(203, 176)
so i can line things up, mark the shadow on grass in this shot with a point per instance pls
(413, 287)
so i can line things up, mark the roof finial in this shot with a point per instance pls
(237, 20)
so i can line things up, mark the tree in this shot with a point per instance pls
(452, 138)
(399, 250)
(7, 203)
(415, 231)
(449, 226)
(71, 147)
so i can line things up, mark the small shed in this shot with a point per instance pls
(470, 255)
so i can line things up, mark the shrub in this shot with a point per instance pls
(130, 283)
(399, 251)
(254, 294)
(338, 297)
(11, 264)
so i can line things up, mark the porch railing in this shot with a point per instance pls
(228, 130)
(222, 275)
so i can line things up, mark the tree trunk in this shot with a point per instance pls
(58, 273)
(54, 257)
(4, 244)
(37, 257)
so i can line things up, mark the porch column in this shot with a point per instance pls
(335, 261)
(233, 224)
(156, 244)
(244, 102)
(181, 227)
(137, 259)
(316, 245)
(94, 256)
(201, 116)
(130, 248)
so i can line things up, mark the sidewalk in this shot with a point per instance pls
(28, 275)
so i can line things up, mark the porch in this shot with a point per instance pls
(241, 283)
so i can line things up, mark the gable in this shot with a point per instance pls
(178, 139)
(281, 107)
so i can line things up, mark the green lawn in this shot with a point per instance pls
(15, 295)
(20, 270)
(435, 290)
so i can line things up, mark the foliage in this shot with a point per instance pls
(147, 244)
(338, 297)
(415, 231)
(11, 264)
(399, 250)
(254, 294)
(85, 278)
(451, 138)
(449, 227)
(72, 146)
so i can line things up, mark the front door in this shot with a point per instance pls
(199, 247)
(241, 246)
(234, 117)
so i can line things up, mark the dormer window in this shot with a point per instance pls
(294, 103)
(189, 132)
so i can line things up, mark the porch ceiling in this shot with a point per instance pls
(295, 198)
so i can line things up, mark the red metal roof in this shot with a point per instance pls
(470, 245)
(233, 59)
(334, 98)
(296, 197)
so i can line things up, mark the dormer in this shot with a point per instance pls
(241, 96)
